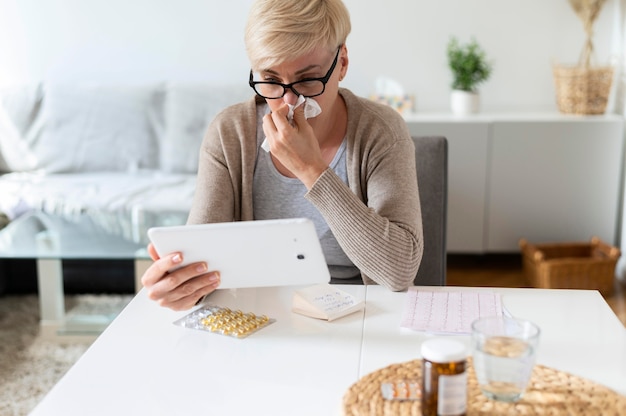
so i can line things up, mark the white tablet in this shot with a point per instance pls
(250, 253)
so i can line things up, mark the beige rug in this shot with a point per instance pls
(30, 365)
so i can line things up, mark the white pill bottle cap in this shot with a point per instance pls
(442, 350)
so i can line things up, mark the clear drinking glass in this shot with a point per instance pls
(504, 351)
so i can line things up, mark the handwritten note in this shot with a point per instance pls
(443, 312)
(324, 301)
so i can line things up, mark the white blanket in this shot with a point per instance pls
(125, 204)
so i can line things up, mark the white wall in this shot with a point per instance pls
(146, 40)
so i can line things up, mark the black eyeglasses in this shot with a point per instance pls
(308, 87)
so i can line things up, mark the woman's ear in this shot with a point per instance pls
(343, 62)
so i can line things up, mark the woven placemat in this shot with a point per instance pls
(550, 392)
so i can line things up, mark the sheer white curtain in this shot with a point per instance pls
(617, 105)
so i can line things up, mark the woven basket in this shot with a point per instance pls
(571, 265)
(581, 90)
(550, 392)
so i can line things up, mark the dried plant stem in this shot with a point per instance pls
(587, 11)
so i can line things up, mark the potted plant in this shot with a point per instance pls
(469, 67)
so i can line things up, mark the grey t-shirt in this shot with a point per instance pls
(276, 196)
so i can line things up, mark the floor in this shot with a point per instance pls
(506, 271)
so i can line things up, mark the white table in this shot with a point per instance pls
(143, 364)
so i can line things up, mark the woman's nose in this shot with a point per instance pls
(290, 97)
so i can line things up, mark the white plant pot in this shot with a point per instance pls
(464, 103)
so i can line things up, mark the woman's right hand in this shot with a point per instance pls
(182, 288)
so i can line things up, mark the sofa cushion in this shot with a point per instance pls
(20, 126)
(189, 108)
(99, 128)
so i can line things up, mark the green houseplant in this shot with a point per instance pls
(469, 66)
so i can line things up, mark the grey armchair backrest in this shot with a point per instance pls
(431, 158)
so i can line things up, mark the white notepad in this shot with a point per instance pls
(324, 301)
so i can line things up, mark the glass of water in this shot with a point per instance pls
(504, 351)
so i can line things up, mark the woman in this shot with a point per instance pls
(350, 168)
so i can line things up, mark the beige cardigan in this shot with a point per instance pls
(377, 220)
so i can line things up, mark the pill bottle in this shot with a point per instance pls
(444, 379)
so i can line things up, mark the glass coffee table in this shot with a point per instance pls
(51, 239)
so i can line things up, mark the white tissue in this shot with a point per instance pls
(388, 87)
(391, 93)
(311, 109)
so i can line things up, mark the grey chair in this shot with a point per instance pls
(431, 157)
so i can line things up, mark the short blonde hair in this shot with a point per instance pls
(278, 30)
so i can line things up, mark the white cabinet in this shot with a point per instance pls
(544, 177)
(467, 174)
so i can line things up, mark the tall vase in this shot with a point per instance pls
(464, 103)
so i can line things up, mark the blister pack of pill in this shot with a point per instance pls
(224, 321)
(401, 390)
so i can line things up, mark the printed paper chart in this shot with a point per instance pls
(442, 312)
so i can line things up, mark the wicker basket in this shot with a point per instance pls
(550, 392)
(581, 90)
(571, 265)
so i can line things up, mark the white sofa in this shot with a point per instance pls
(124, 156)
